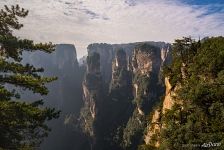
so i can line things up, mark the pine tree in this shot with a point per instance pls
(197, 123)
(22, 124)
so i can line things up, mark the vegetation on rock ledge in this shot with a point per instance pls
(198, 66)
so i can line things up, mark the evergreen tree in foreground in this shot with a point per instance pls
(197, 123)
(22, 125)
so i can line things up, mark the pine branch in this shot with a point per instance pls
(37, 85)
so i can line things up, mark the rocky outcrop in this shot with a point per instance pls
(145, 59)
(121, 77)
(134, 75)
(93, 111)
(106, 56)
(153, 129)
(168, 100)
(156, 125)
(65, 94)
(63, 64)
(92, 92)
(146, 63)
(135, 90)
(108, 51)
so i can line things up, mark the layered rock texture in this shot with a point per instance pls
(108, 51)
(121, 84)
(105, 111)
(92, 84)
(146, 64)
(120, 96)
(132, 74)
(93, 96)
(156, 125)
(121, 76)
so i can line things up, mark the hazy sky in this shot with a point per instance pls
(82, 22)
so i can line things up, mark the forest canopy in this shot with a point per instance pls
(196, 119)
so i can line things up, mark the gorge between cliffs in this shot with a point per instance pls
(123, 96)
(105, 98)
(138, 75)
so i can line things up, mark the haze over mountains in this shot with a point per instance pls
(66, 93)
(142, 74)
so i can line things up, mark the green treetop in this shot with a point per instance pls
(22, 125)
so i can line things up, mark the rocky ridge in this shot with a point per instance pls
(134, 86)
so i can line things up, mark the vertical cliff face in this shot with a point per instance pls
(134, 76)
(108, 51)
(145, 59)
(120, 97)
(93, 97)
(121, 77)
(106, 54)
(146, 64)
(155, 126)
(146, 68)
(65, 94)
(120, 59)
(92, 84)
(166, 54)
(168, 100)
(63, 64)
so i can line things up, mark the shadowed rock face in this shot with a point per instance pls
(108, 51)
(92, 84)
(130, 70)
(146, 65)
(65, 94)
(93, 63)
(156, 124)
(93, 96)
(106, 55)
(120, 73)
(146, 59)
(121, 59)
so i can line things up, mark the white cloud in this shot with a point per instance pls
(115, 21)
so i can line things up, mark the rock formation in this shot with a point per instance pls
(65, 94)
(121, 77)
(92, 84)
(134, 77)
(108, 51)
(146, 64)
(93, 96)
(106, 54)
(156, 125)
(120, 105)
